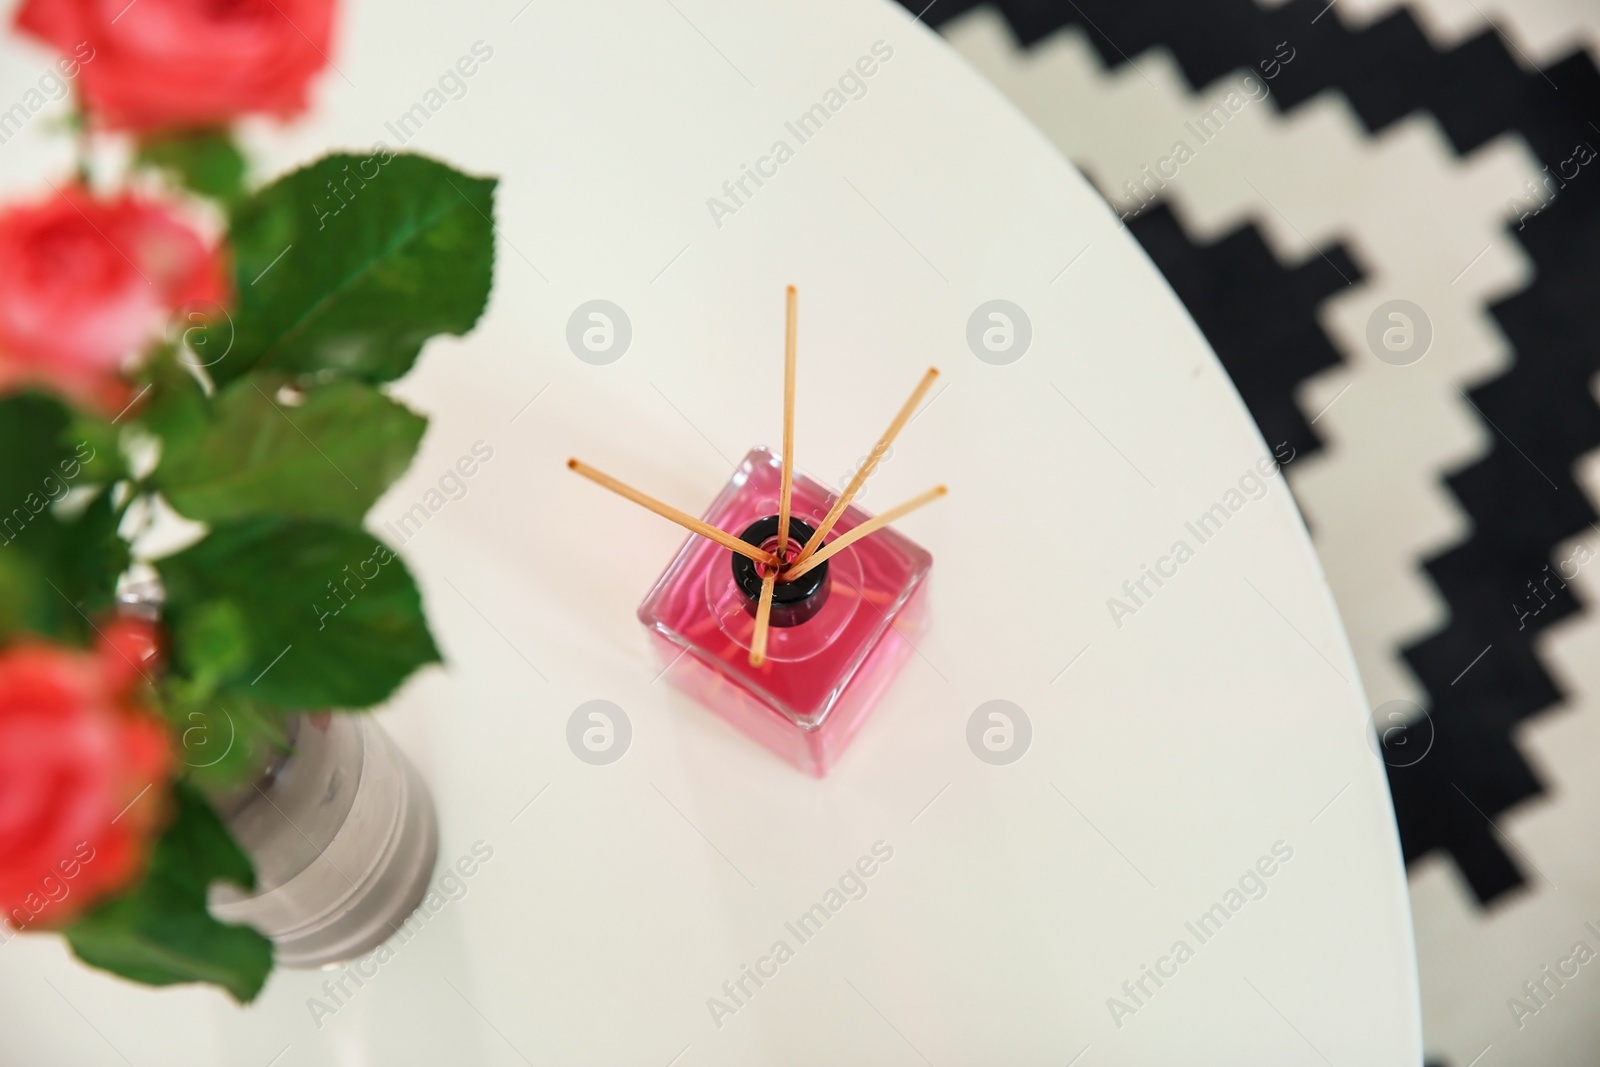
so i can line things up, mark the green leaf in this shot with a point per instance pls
(349, 264)
(331, 456)
(32, 432)
(206, 161)
(57, 566)
(213, 644)
(223, 740)
(334, 619)
(160, 932)
(88, 558)
(60, 575)
(176, 409)
(96, 446)
(28, 604)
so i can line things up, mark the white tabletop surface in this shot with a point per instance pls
(1175, 751)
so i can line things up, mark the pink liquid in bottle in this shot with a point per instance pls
(824, 670)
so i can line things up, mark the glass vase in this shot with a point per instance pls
(343, 836)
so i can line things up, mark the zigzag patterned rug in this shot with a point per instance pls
(1292, 168)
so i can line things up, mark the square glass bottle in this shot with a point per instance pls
(832, 648)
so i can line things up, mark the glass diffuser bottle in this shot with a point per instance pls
(789, 635)
(831, 650)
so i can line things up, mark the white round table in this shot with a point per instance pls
(1198, 770)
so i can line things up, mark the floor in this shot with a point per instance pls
(1296, 169)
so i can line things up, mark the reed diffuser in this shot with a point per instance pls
(788, 635)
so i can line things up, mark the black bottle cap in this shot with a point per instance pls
(792, 602)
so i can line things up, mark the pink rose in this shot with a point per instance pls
(170, 63)
(83, 773)
(85, 284)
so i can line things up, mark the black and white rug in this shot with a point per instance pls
(1296, 169)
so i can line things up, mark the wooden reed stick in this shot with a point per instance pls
(791, 335)
(758, 641)
(861, 476)
(667, 511)
(877, 522)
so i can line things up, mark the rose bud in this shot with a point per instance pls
(86, 284)
(83, 774)
(160, 64)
